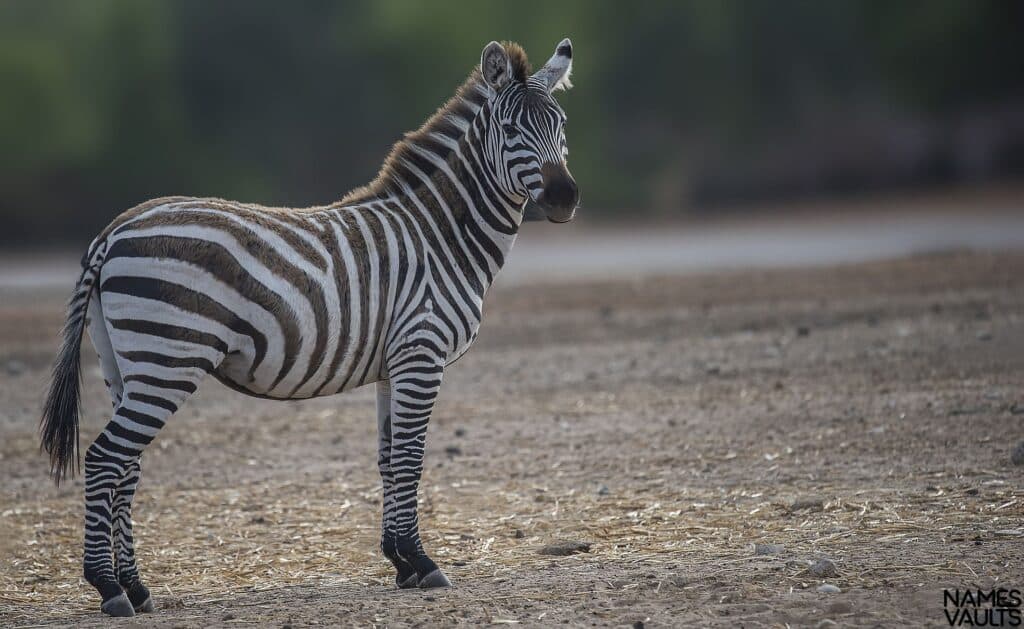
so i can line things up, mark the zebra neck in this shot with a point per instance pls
(474, 233)
(463, 204)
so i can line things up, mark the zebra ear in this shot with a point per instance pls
(556, 71)
(495, 65)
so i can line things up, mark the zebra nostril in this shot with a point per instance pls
(559, 189)
(560, 193)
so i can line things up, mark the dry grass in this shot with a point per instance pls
(203, 546)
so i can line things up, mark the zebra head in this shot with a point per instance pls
(525, 128)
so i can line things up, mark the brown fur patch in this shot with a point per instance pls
(454, 107)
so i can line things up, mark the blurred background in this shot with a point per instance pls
(681, 109)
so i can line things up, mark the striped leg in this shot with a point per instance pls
(405, 576)
(106, 464)
(414, 387)
(111, 474)
(124, 541)
(127, 571)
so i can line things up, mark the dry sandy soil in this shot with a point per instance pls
(866, 414)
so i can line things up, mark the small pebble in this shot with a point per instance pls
(812, 503)
(518, 534)
(562, 549)
(453, 451)
(768, 549)
(828, 588)
(1017, 456)
(803, 330)
(822, 568)
(460, 432)
(602, 490)
(984, 335)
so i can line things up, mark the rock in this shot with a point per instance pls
(562, 549)
(602, 490)
(803, 330)
(1017, 456)
(768, 549)
(453, 451)
(460, 432)
(984, 335)
(811, 503)
(1017, 408)
(822, 568)
(518, 534)
(828, 588)
(638, 624)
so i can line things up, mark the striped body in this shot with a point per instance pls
(386, 286)
(294, 305)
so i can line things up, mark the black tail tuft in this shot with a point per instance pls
(59, 426)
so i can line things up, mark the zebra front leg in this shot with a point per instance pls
(405, 576)
(414, 387)
(124, 541)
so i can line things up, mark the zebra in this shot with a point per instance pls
(385, 286)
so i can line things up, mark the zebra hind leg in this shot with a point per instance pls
(124, 542)
(111, 474)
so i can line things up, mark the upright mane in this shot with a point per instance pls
(450, 120)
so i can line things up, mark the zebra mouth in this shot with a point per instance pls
(572, 215)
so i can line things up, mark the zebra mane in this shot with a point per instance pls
(438, 135)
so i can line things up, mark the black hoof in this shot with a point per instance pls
(410, 581)
(118, 606)
(139, 596)
(435, 579)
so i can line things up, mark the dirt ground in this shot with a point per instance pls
(865, 414)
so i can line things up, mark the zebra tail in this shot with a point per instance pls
(58, 429)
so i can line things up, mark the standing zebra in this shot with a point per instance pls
(384, 286)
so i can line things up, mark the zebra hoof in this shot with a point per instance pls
(410, 581)
(435, 579)
(118, 606)
(139, 596)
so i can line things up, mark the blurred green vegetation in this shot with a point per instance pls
(677, 105)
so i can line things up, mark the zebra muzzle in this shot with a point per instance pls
(559, 193)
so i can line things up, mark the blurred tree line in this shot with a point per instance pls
(678, 105)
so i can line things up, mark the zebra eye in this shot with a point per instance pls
(510, 130)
